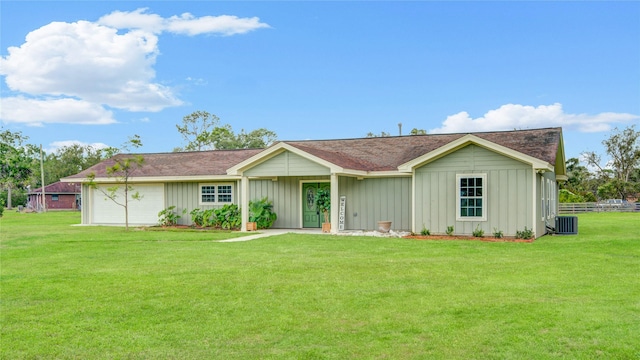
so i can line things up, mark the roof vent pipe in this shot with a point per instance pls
(400, 128)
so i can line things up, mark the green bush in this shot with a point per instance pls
(168, 216)
(497, 233)
(478, 232)
(197, 217)
(449, 230)
(228, 217)
(261, 212)
(323, 202)
(525, 234)
(425, 231)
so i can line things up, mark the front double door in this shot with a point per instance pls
(311, 216)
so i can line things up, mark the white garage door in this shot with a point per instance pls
(141, 212)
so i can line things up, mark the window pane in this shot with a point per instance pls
(208, 193)
(208, 198)
(471, 190)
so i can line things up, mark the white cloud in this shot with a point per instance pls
(186, 23)
(93, 65)
(136, 19)
(34, 112)
(224, 24)
(91, 62)
(514, 116)
(54, 146)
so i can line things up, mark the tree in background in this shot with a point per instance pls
(16, 163)
(202, 131)
(580, 186)
(617, 181)
(382, 134)
(124, 165)
(69, 160)
(416, 131)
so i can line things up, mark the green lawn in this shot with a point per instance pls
(71, 292)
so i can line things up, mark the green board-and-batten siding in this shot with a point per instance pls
(367, 201)
(509, 192)
(287, 164)
(186, 195)
(285, 193)
(376, 199)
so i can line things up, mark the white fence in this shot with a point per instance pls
(577, 208)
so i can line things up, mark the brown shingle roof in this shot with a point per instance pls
(60, 188)
(387, 153)
(194, 163)
(364, 154)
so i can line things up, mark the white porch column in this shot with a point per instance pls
(335, 202)
(244, 202)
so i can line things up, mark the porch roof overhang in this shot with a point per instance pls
(468, 139)
(279, 148)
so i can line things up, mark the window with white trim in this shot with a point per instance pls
(471, 197)
(212, 194)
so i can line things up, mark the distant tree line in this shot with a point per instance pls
(591, 180)
(20, 169)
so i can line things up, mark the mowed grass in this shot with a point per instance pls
(71, 292)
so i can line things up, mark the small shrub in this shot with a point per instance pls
(168, 217)
(449, 230)
(497, 233)
(478, 232)
(525, 234)
(425, 231)
(261, 212)
(228, 217)
(197, 217)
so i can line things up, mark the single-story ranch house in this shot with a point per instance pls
(503, 181)
(57, 196)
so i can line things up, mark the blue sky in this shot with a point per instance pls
(99, 72)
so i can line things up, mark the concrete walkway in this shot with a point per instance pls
(273, 232)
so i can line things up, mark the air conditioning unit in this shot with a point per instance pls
(566, 225)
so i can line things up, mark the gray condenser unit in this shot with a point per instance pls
(566, 225)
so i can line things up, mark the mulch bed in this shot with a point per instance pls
(473, 238)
